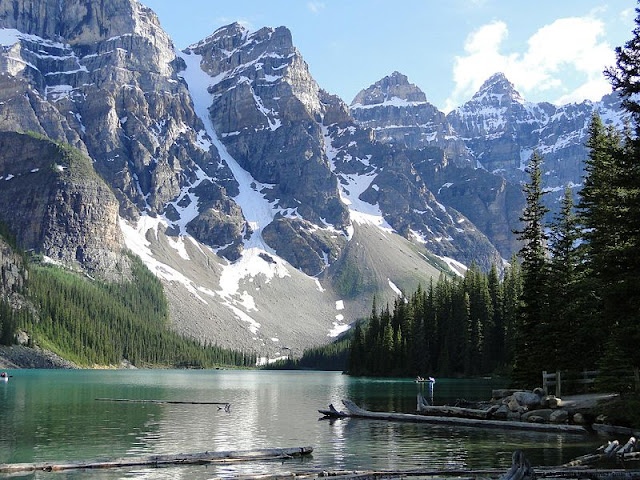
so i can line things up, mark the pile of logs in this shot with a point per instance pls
(353, 410)
(614, 450)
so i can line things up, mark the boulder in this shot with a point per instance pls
(514, 416)
(559, 416)
(501, 413)
(529, 400)
(545, 414)
(513, 405)
(579, 419)
(22, 338)
(536, 419)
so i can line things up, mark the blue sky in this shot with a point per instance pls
(552, 50)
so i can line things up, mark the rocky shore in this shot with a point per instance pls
(23, 357)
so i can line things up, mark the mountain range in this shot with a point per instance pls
(272, 211)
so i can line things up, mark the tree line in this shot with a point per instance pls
(457, 326)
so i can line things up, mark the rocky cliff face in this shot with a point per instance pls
(13, 276)
(267, 110)
(53, 201)
(103, 78)
(503, 130)
(400, 115)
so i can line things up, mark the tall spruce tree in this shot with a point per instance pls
(566, 340)
(530, 348)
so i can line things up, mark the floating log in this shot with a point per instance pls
(172, 402)
(355, 411)
(161, 460)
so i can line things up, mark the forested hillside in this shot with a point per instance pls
(91, 322)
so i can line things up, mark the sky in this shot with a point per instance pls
(551, 50)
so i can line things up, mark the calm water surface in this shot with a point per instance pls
(53, 416)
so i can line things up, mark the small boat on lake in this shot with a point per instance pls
(4, 377)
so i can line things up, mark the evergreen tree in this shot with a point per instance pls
(566, 339)
(357, 352)
(494, 351)
(532, 329)
(623, 298)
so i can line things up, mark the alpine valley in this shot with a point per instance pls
(271, 210)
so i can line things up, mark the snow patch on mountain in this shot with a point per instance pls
(257, 258)
(351, 186)
(135, 237)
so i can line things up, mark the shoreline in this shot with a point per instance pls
(20, 357)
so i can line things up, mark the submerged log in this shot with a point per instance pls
(354, 411)
(171, 402)
(161, 460)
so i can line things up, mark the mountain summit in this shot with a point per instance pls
(395, 87)
(498, 87)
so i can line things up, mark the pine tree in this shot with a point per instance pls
(529, 345)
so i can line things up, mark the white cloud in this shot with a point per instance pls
(315, 7)
(565, 58)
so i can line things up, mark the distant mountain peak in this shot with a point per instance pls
(395, 86)
(498, 85)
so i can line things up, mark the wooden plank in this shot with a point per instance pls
(355, 411)
(160, 460)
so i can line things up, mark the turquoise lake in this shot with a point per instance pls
(53, 415)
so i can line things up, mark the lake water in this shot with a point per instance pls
(52, 415)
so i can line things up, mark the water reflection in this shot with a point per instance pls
(54, 416)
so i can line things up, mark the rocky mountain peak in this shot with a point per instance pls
(394, 86)
(80, 22)
(498, 87)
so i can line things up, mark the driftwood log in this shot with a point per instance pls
(354, 411)
(610, 450)
(520, 468)
(161, 460)
(332, 412)
(447, 411)
(457, 474)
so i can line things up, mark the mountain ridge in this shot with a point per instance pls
(251, 192)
